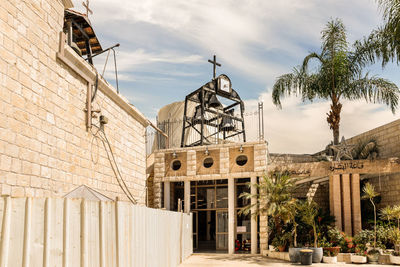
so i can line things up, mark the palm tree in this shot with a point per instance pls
(384, 42)
(370, 193)
(339, 76)
(273, 192)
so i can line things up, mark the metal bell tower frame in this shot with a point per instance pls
(212, 121)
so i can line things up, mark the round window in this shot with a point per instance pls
(208, 162)
(241, 160)
(176, 165)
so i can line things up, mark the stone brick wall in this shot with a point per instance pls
(290, 158)
(45, 149)
(388, 185)
(320, 196)
(388, 139)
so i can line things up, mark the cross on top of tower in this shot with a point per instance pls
(86, 6)
(215, 63)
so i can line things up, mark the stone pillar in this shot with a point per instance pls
(253, 191)
(346, 204)
(335, 199)
(167, 195)
(356, 203)
(231, 215)
(186, 192)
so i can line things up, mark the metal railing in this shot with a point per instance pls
(254, 128)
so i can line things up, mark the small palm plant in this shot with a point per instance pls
(387, 213)
(394, 236)
(289, 216)
(396, 215)
(273, 193)
(309, 211)
(370, 193)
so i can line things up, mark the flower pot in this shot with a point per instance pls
(358, 259)
(373, 258)
(306, 256)
(317, 255)
(294, 255)
(281, 248)
(395, 259)
(326, 259)
(333, 250)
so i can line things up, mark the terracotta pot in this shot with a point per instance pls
(281, 248)
(333, 250)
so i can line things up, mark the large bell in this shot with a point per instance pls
(196, 119)
(227, 123)
(213, 102)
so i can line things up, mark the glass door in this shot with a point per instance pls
(222, 230)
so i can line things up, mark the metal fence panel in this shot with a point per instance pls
(76, 232)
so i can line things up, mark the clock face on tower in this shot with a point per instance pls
(224, 84)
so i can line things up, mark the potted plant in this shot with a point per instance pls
(394, 237)
(329, 253)
(330, 256)
(309, 211)
(280, 241)
(362, 241)
(273, 193)
(290, 211)
(370, 194)
(360, 256)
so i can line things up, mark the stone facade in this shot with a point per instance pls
(225, 166)
(45, 148)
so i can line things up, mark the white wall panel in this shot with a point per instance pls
(73, 232)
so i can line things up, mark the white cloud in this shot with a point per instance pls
(261, 39)
(302, 128)
(234, 29)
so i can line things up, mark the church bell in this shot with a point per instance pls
(196, 119)
(213, 102)
(227, 123)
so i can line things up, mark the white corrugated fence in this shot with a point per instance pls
(76, 232)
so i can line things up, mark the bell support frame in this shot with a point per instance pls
(212, 118)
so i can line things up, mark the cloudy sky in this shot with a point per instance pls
(165, 46)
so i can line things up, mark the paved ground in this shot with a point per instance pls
(219, 260)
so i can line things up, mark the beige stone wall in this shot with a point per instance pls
(320, 195)
(388, 139)
(388, 185)
(45, 149)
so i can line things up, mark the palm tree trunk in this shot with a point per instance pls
(333, 119)
(315, 235)
(295, 235)
(374, 223)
